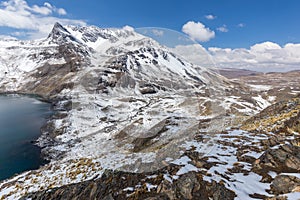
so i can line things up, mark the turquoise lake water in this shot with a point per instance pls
(21, 118)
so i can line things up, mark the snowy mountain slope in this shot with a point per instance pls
(122, 101)
(138, 91)
(18, 58)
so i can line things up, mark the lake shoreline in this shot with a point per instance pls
(31, 95)
(41, 159)
(59, 105)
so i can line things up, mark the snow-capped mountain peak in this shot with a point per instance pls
(141, 57)
(93, 33)
(60, 34)
(102, 39)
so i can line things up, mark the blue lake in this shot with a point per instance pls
(21, 118)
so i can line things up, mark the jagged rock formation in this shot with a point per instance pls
(118, 185)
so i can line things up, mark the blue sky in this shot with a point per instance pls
(263, 20)
(255, 34)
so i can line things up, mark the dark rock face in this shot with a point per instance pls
(115, 185)
(284, 159)
(60, 34)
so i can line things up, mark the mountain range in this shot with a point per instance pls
(135, 120)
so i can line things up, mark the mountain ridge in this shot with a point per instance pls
(126, 103)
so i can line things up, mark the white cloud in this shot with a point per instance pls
(158, 32)
(210, 17)
(48, 5)
(241, 25)
(264, 47)
(128, 28)
(194, 53)
(223, 29)
(265, 57)
(7, 37)
(41, 10)
(18, 34)
(61, 11)
(33, 21)
(197, 31)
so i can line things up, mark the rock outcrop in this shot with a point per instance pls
(121, 185)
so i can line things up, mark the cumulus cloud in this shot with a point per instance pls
(41, 10)
(197, 31)
(264, 57)
(210, 17)
(194, 53)
(61, 11)
(223, 29)
(128, 28)
(48, 5)
(33, 21)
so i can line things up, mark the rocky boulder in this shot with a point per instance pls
(285, 158)
(285, 184)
